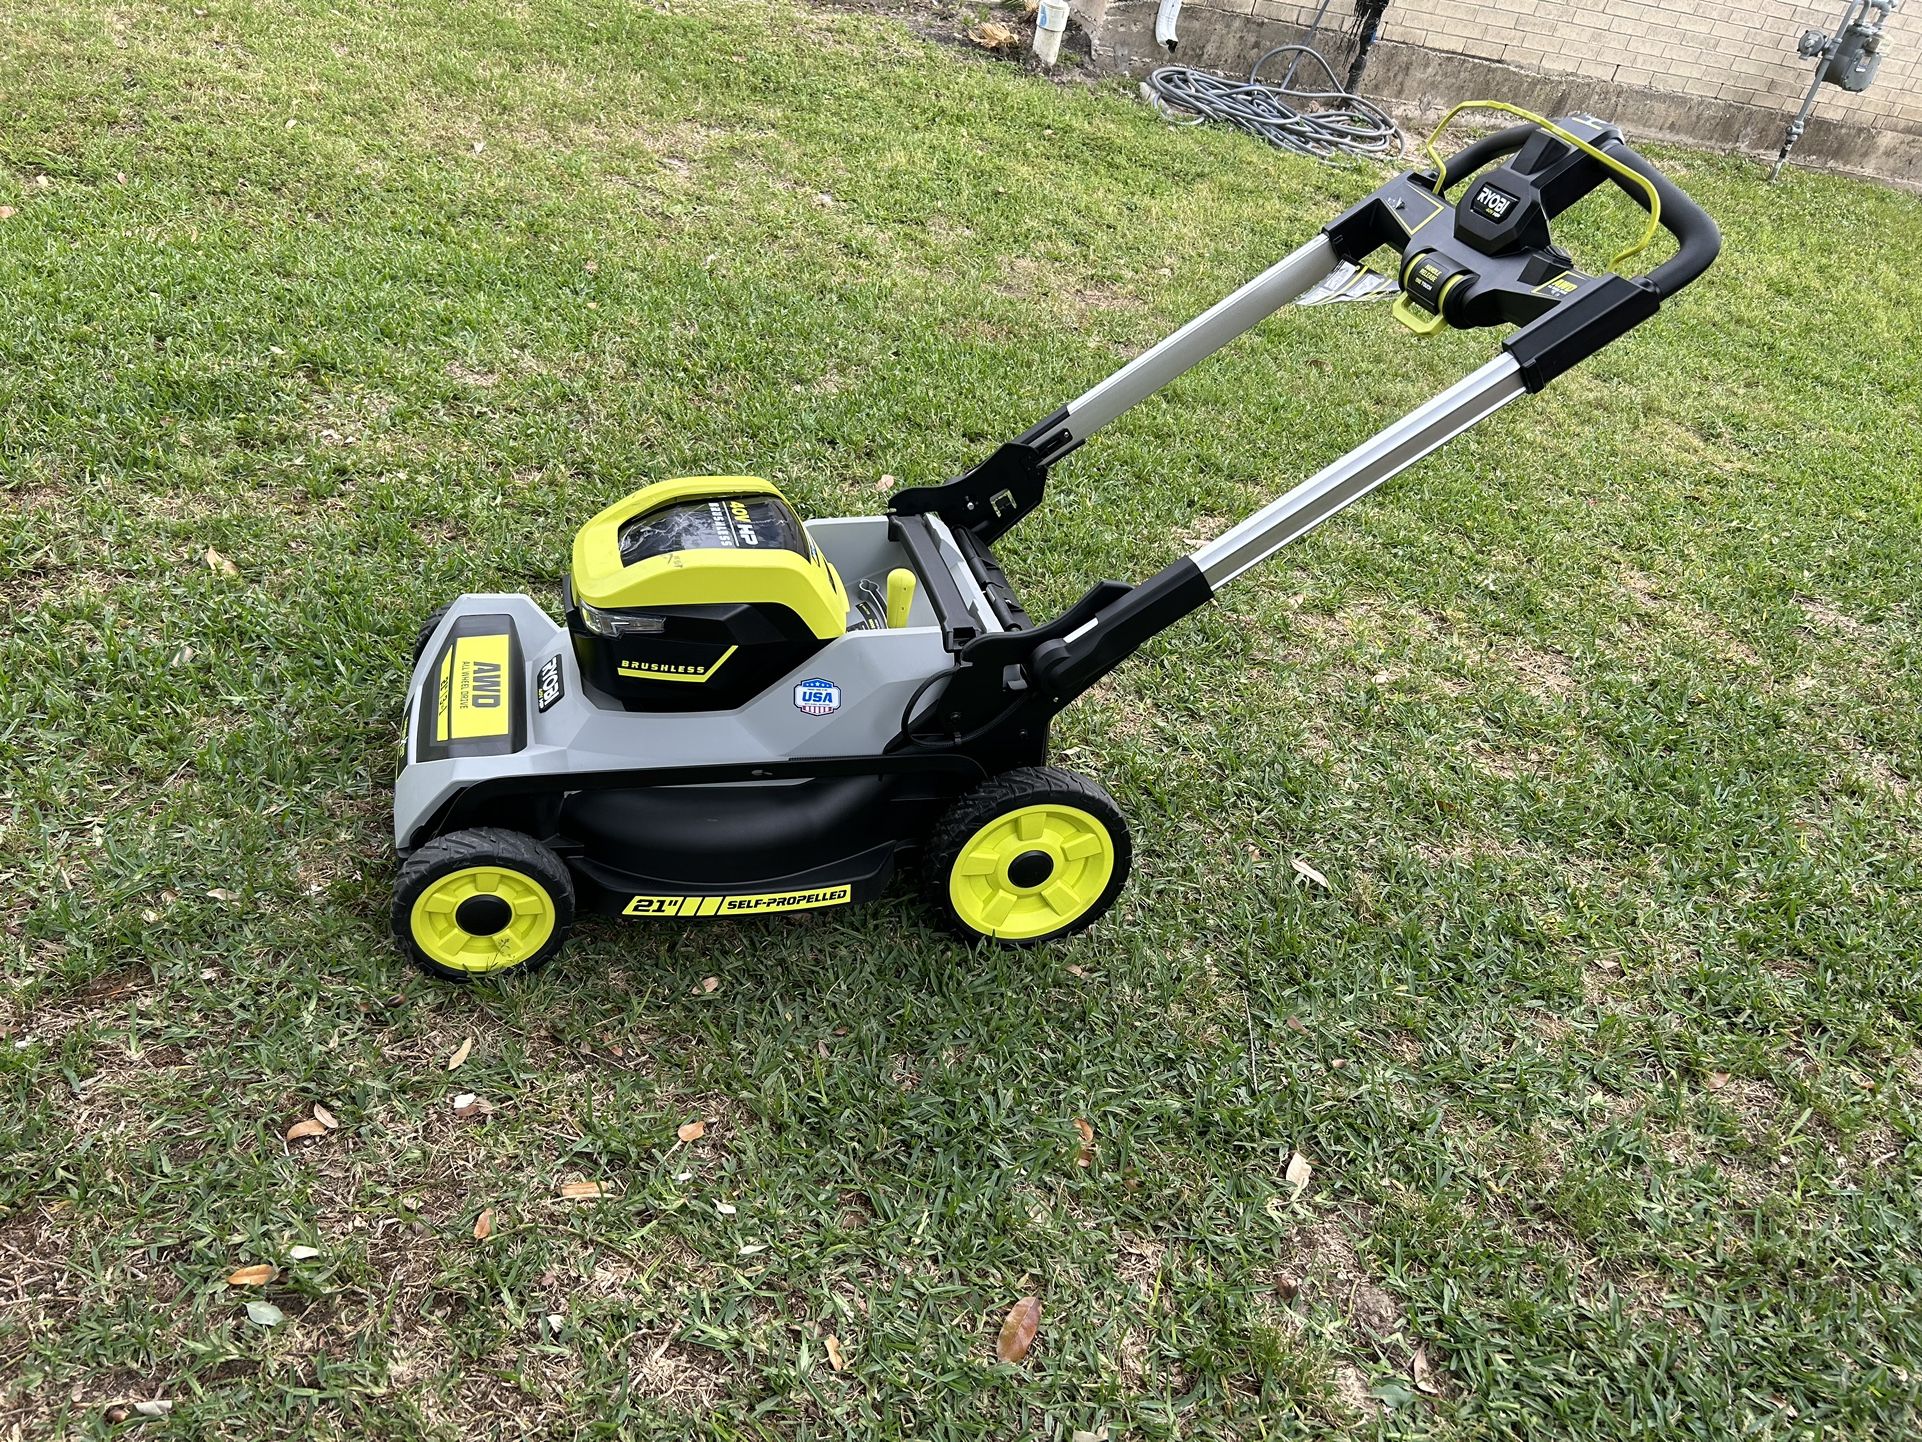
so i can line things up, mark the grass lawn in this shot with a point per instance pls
(1601, 1038)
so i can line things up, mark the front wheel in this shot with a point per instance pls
(1031, 855)
(482, 902)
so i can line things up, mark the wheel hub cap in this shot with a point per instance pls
(1032, 871)
(482, 918)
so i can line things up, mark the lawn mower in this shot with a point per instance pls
(743, 713)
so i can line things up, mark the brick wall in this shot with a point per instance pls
(1740, 51)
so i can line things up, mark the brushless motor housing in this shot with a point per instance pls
(698, 594)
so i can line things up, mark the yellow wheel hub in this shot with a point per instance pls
(482, 918)
(1032, 871)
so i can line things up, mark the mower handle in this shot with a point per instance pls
(1698, 237)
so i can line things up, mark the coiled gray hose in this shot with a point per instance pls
(1345, 124)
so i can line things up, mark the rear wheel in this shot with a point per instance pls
(482, 902)
(427, 629)
(1033, 854)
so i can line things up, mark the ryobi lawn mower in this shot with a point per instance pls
(745, 713)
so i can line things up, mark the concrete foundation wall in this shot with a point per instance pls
(1722, 73)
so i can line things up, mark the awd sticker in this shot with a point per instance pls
(738, 905)
(817, 697)
(473, 689)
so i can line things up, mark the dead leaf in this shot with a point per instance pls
(157, 1407)
(1295, 1023)
(886, 483)
(708, 985)
(726, 1209)
(1304, 870)
(221, 893)
(1018, 1330)
(484, 1225)
(460, 1053)
(692, 1131)
(302, 1254)
(7, 212)
(993, 35)
(308, 1127)
(1717, 1080)
(749, 1249)
(1086, 1156)
(324, 1117)
(1419, 1375)
(580, 1191)
(257, 1275)
(1297, 1173)
(835, 1359)
(219, 564)
(479, 146)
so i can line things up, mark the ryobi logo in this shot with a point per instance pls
(1493, 203)
(817, 697)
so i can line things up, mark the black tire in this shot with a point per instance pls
(1041, 871)
(507, 911)
(427, 629)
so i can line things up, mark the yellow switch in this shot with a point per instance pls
(900, 596)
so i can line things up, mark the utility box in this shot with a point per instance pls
(1852, 58)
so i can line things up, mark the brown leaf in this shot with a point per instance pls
(324, 1117)
(460, 1053)
(993, 35)
(886, 483)
(580, 1191)
(1297, 1173)
(1086, 1156)
(257, 1275)
(692, 1131)
(221, 893)
(219, 564)
(835, 1359)
(708, 985)
(305, 1128)
(1018, 1330)
(1308, 873)
(7, 212)
(1418, 1373)
(468, 1105)
(1295, 1023)
(484, 1225)
(1717, 1080)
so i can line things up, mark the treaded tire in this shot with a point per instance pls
(967, 823)
(427, 629)
(498, 849)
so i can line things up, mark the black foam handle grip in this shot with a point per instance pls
(1696, 234)
(1477, 153)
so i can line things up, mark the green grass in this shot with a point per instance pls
(1603, 727)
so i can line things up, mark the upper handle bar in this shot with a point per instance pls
(1698, 238)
